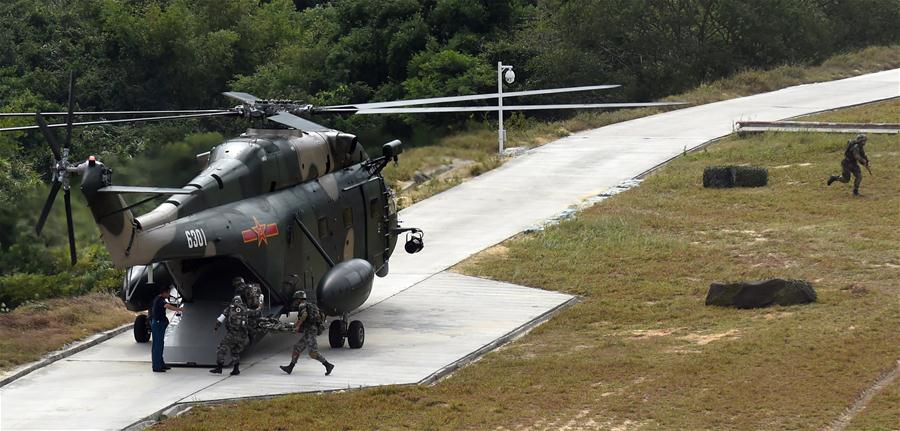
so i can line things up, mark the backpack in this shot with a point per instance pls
(314, 318)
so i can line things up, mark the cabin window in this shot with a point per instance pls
(348, 218)
(323, 228)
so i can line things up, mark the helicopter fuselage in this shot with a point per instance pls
(243, 216)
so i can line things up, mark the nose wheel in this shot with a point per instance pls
(354, 333)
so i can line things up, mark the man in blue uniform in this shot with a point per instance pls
(158, 324)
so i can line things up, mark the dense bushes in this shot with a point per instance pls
(35, 274)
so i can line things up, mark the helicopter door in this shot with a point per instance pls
(373, 194)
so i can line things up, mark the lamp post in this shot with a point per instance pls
(503, 72)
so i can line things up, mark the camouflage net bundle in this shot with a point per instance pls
(735, 176)
(273, 324)
(763, 293)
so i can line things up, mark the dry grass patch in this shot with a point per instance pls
(35, 329)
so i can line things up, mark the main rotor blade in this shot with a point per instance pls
(48, 204)
(243, 97)
(296, 122)
(126, 120)
(434, 100)
(98, 113)
(147, 190)
(69, 113)
(71, 226)
(446, 109)
(51, 139)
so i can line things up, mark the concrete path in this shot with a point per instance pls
(419, 319)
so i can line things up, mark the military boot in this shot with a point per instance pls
(328, 367)
(855, 192)
(218, 369)
(832, 179)
(235, 371)
(289, 368)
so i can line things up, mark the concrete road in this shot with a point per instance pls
(410, 316)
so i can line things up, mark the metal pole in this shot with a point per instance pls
(500, 106)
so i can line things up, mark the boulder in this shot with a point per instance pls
(763, 293)
(735, 176)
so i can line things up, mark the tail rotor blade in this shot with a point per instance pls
(71, 226)
(71, 109)
(54, 146)
(48, 204)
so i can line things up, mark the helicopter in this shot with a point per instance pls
(289, 204)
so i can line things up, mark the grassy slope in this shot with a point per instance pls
(480, 145)
(32, 330)
(641, 350)
(884, 112)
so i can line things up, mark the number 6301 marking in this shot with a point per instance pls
(195, 238)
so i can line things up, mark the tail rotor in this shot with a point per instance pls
(61, 170)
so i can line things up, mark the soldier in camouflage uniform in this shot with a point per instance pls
(854, 154)
(254, 301)
(237, 337)
(308, 319)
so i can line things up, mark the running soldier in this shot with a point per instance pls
(308, 320)
(854, 154)
(237, 337)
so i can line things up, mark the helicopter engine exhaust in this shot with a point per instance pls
(345, 287)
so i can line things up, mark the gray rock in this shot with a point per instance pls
(763, 293)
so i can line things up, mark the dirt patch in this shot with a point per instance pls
(498, 250)
(855, 289)
(799, 165)
(640, 334)
(702, 340)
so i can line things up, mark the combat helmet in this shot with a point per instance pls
(861, 138)
(237, 281)
(299, 295)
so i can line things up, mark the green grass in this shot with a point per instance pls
(882, 112)
(641, 350)
(480, 145)
(37, 328)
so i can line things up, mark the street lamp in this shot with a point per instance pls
(503, 72)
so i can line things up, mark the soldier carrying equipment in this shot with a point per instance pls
(237, 337)
(854, 154)
(308, 322)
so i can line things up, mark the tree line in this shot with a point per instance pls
(179, 54)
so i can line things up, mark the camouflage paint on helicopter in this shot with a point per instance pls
(243, 205)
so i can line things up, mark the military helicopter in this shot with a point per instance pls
(289, 204)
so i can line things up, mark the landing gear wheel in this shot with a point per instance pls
(141, 328)
(356, 334)
(336, 332)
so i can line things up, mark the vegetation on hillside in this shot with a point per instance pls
(159, 54)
